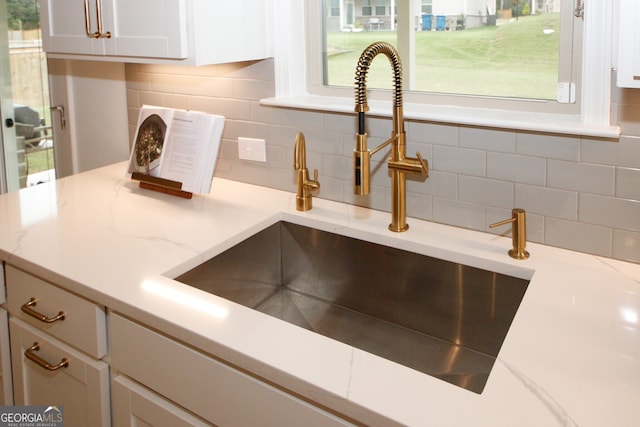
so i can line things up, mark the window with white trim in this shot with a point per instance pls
(584, 63)
(463, 49)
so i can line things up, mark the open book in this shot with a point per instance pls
(177, 145)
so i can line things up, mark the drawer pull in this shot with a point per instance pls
(30, 354)
(41, 317)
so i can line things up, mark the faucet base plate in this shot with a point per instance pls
(397, 229)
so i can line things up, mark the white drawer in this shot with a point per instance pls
(81, 387)
(84, 324)
(203, 385)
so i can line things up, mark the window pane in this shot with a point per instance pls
(507, 53)
(335, 8)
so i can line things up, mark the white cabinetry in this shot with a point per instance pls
(57, 339)
(6, 393)
(81, 387)
(629, 44)
(192, 32)
(203, 385)
(134, 405)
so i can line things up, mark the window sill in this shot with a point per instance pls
(504, 119)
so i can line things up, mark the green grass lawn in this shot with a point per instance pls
(515, 59)
(40, 160)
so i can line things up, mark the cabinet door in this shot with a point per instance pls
(82, 387)
(6, 392)
(208, 388)
(629, 44)
(146, 28)
(64, 28)
(134, 405)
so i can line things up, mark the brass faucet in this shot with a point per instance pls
(518, 233)
(399, 163)
(305, 185)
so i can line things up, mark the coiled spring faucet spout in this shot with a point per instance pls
(399, 163)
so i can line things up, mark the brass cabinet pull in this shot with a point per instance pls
(87, 22)
(30, 354)
(27, 308)
(106, 35)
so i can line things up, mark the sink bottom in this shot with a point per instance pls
(441, 318)
(435, 356)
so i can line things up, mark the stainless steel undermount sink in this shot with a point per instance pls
(444, 319)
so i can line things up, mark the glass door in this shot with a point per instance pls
(27, 137)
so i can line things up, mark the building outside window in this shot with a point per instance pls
(335, 8)
(427, 6)
(366, 8)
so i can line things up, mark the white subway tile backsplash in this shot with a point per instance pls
(579, 193)
(440, 184)
(377, 127)
(278, 157)
(610, 211)
(485, 191)
(344, 123)
(578, 236)
(547, 201)
(516, 168)
(334, 166)
(582, 177)
(282, 179)
(628, 119)
(177, 101)
(624, 153)
(301, 120)
(375, 200)
(281, 136)
(151, 98)
(628, 183)
(419, 206)
(488, 139)
(459, 160)
(432, 133)
(626, 245)
(249, 89)
(330, 188)
(461, 214)
(137, 80)
(563, 147)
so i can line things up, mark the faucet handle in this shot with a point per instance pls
(410, 165)
(312, 184)
(518, 233)
(425, 165)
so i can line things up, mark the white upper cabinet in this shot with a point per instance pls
(189, 32)
(629, 44)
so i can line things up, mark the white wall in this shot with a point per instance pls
(94, 96)
(579, 193)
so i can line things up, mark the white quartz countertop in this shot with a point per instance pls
(571, 357)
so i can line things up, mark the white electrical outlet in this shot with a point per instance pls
(252, 149)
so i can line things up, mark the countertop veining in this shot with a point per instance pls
(571, 357)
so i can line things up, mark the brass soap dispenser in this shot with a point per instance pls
(518, 233)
